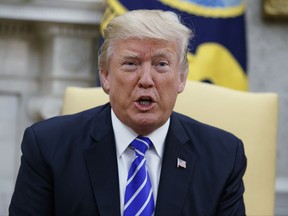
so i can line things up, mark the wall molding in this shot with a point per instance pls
(82, 12)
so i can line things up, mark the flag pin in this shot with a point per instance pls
(181, 163)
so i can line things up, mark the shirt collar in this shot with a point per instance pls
(125, 135)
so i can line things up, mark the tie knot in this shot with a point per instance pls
(141, 144)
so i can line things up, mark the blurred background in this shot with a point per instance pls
(46, 46)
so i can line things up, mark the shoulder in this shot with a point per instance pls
(193, 125)
(212, 147)
(71, 122)
(64, 136)
(207, 137)
(68, 128)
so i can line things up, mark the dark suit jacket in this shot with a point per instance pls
(69, 167)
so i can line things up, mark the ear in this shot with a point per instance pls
(182, 82)
(104, 77)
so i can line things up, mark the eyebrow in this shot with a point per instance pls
(163, 53)
(131, 55)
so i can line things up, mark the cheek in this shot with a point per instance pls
(121, 87)
(168, 91)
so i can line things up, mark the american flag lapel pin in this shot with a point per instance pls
(181, 163)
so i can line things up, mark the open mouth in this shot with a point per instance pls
(145, 101)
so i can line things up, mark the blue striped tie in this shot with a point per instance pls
(138, 195)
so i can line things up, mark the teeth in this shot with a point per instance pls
(144, 103)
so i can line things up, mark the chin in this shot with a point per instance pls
(147, 124)
(145, 118)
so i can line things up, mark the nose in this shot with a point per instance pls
(146, 78)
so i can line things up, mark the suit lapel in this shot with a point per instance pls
(174, 182)
(102, 165)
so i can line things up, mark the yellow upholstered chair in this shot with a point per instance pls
(253, 117)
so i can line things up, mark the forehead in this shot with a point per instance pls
(145, 47)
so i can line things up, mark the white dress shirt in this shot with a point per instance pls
(125, 155)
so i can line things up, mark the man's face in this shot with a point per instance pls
(143, 81)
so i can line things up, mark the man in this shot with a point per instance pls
(80, 164)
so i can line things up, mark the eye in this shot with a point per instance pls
(162, 66)
(129, 65)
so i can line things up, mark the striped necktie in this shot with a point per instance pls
(138, 195)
